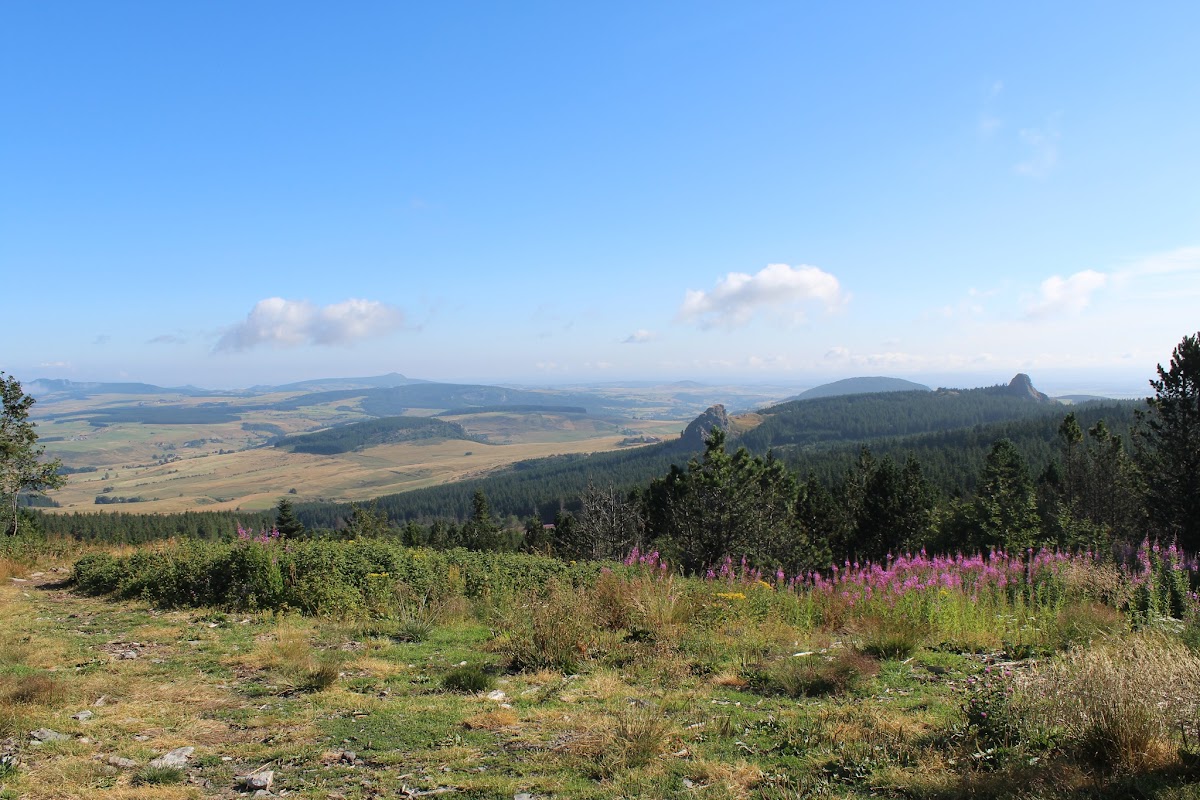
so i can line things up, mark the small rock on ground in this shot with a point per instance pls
(260, 780)
(47, 735)
(176, 758)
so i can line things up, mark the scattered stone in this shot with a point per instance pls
(175, 758)
(259, 780)
(141, 737)
(688, 783)
(348, 756)
(522, 796)
(122, 763)
(127, 655)
(37, 575)
(101, 700)
(18, 580)
(47, 735)
(263, 793)
(498, 695)
(83, 716)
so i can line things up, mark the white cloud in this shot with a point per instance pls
(738, 297)
(289, 323)
(55, 364)
(167, 338)
(640, 336)
(1042, 150)
(838, 354)
(1181, 259)
(1067, 295)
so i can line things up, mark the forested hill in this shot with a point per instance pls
(357, 435)
(861, 417)
(540, 486)
(389, 401)
(950, 432)
(861, 386)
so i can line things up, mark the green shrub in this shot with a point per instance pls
(98, 573)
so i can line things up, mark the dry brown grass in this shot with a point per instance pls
(10, 569)
(732, 778)
(1095, 582)
(491, 720)
(37, 689)
(1120, 704)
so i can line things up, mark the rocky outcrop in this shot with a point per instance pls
(697, 431)
(1022, 386)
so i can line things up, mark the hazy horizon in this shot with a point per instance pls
(1116, 388)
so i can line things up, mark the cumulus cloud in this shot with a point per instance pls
(289, 323)
(640, 336)
(1067, 295)
(738, 297)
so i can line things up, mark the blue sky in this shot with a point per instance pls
(227, 193)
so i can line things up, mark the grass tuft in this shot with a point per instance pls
(1120, 705)
(470, 679)
(157, 776)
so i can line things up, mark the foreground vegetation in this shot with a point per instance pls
(495, 675)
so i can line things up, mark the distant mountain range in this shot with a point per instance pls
(389, 381)
(61, 389)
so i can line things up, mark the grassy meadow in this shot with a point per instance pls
(229, 465)
(364, 669)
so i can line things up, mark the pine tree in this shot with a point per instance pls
(286, 522)
(1169, 446)
(1005, 510)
